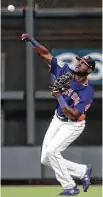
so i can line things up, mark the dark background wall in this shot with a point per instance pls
(55, 3)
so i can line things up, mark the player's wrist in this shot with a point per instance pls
(34, 42)
(62, 102)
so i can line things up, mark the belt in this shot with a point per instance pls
(61, 118)
(65, 119)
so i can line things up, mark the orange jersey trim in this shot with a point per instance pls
(82, 117)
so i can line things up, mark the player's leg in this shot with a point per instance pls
(75, 169)
(61, 140)
(51, 132)
(64, 137)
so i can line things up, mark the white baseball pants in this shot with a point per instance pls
(57, 138)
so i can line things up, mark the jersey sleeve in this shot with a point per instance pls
(85, 100)
(82, 107)
(58, 67)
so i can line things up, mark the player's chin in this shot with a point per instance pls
(81, 74)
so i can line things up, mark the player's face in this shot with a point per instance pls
(82, 68)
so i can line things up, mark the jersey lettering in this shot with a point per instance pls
(76, 98)
(68, 92)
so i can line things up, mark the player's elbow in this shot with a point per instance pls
(47, 58)
(76, 114)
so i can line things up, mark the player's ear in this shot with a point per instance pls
(89, 70)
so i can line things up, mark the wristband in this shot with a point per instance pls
(34, 43)
(62, 102)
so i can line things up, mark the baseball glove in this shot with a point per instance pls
(62, 83)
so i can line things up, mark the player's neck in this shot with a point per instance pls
(82, 80)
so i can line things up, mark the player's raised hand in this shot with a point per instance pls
(25, 37)
(56, 93)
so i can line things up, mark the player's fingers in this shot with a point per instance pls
(24, 36)
(55, 91)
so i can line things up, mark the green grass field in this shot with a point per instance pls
(45, 191)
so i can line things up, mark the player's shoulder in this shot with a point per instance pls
(90, 87)
(62, 64)
(90, 90)
(87, 93)
(66, 69)
(56, 61)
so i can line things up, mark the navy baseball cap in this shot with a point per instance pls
(88, 60)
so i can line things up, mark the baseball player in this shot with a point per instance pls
(69, 119)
